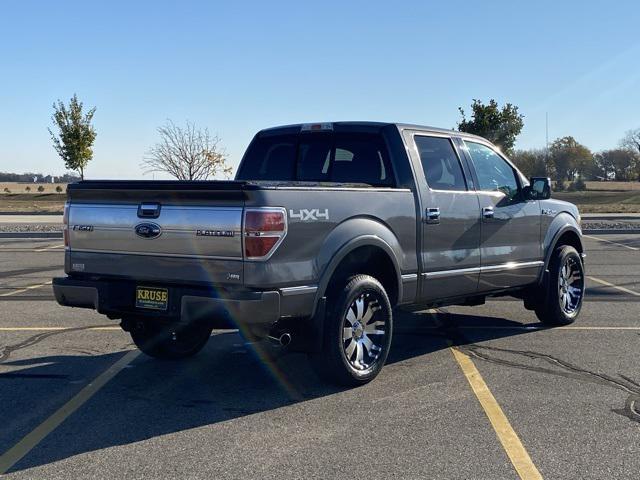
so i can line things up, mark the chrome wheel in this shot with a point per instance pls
(364, 331)
(570, 285)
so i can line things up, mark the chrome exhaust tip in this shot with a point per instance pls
(282, 341)
(285, 339)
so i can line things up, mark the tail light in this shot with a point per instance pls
(65, 224)
(264, 229)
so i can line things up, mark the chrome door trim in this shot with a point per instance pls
(485, 269)
(301, 290)
(511, 266)
(451, 273)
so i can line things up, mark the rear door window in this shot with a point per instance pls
(440, 163)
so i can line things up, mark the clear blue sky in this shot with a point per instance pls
(237, 67)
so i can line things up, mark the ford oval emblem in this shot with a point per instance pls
(148, 230)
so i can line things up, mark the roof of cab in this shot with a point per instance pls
(401, 126)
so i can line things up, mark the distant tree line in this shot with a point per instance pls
(39, 177)
(566, 160)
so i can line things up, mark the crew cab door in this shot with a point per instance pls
(450, 254)
(510, 248)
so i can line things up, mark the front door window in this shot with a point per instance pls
(494, 173)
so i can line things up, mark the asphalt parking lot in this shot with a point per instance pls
(468, 392)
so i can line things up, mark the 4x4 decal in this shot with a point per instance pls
(311, 215)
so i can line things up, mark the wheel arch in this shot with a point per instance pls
(365, 254)
(568, 233)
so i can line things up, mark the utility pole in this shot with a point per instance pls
(546, 122)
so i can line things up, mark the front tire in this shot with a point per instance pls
(169, 342)
(563, 293)
(357, 333)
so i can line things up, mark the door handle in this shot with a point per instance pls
(487, 212)
(433, 215)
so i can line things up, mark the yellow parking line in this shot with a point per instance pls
(48, 248)
(535, 327)
(611, 241)
(52, 329)
(505, 432)
(33, 438)
(25, 289)
(32, 329)
(519, 327)
(596, 328)
(608, 284)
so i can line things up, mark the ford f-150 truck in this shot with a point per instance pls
(325, 231)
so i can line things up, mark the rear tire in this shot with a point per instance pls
(169, 342)
(560, 299)
(357, 333)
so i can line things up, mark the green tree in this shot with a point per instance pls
(570, 158)
(531, 162)
(605, 165)
(618, 164)
(74, 142)
(498, 125)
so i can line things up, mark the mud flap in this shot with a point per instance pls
(310, 339)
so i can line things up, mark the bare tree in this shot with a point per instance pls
(631, 142)
(187, 153)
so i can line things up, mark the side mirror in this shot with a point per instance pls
(538, 189)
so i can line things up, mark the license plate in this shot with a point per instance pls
(152, 298)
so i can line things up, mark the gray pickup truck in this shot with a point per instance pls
(326, 230)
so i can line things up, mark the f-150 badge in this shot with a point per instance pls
(309, 215)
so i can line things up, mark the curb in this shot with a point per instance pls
(611, 231)
(610, 217)
(24, 214)
(30, 234)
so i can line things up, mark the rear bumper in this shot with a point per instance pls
(252, 311)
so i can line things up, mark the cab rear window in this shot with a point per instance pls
(319, 157)
(270, 158)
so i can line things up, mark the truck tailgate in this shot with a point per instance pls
(164, 231)
(183, 230)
